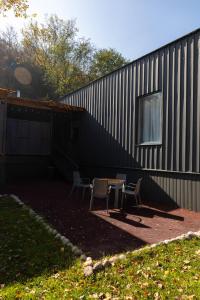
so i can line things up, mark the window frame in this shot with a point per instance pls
(157, 143)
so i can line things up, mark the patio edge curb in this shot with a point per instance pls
(100, 265)
(65, 241)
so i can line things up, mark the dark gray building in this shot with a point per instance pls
(36, 136)
(144, 119)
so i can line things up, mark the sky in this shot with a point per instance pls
(132, 27)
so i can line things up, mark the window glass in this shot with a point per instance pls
(150, 119)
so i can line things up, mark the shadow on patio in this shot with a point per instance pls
(97, 233)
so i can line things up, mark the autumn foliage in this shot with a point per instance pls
(19, 7)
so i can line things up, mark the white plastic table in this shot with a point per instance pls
(116, 184)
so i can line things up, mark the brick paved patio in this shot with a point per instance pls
(96, 232)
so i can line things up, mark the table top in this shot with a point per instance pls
(114, 181)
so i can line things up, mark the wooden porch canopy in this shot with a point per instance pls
(5, 95)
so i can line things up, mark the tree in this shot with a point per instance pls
(106, 61)
(16, 69)
(19, 7)
(57, 60)
(64, 59)
(9, 53)
(9, 37)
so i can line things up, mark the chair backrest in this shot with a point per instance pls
(76, 177)
(138, 186)
(121, 176)
(100, 188)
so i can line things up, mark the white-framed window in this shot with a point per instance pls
(150, 119)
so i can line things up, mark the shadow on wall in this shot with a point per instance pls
(101, 155)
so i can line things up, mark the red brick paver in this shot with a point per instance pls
(96, 232)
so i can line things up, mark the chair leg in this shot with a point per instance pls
(83, 194)
(71, 192)
(107, 204)
(139, 199)
(122, 202)
(91, 201)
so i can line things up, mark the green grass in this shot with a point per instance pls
(34, 265)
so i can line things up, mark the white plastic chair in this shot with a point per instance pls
(134, 190)
(79, 182)
(100, 189)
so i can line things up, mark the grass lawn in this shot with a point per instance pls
(34, 265)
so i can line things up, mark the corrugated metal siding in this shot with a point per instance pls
(26, 137)
(184, 189)
(112, 105)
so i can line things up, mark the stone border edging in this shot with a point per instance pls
(66, 242)
(89, 268)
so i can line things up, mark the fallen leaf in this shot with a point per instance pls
(186, 262)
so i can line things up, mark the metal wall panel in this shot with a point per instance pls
(183, 190)
(112, 103)
(28, 137)
(109, 131)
